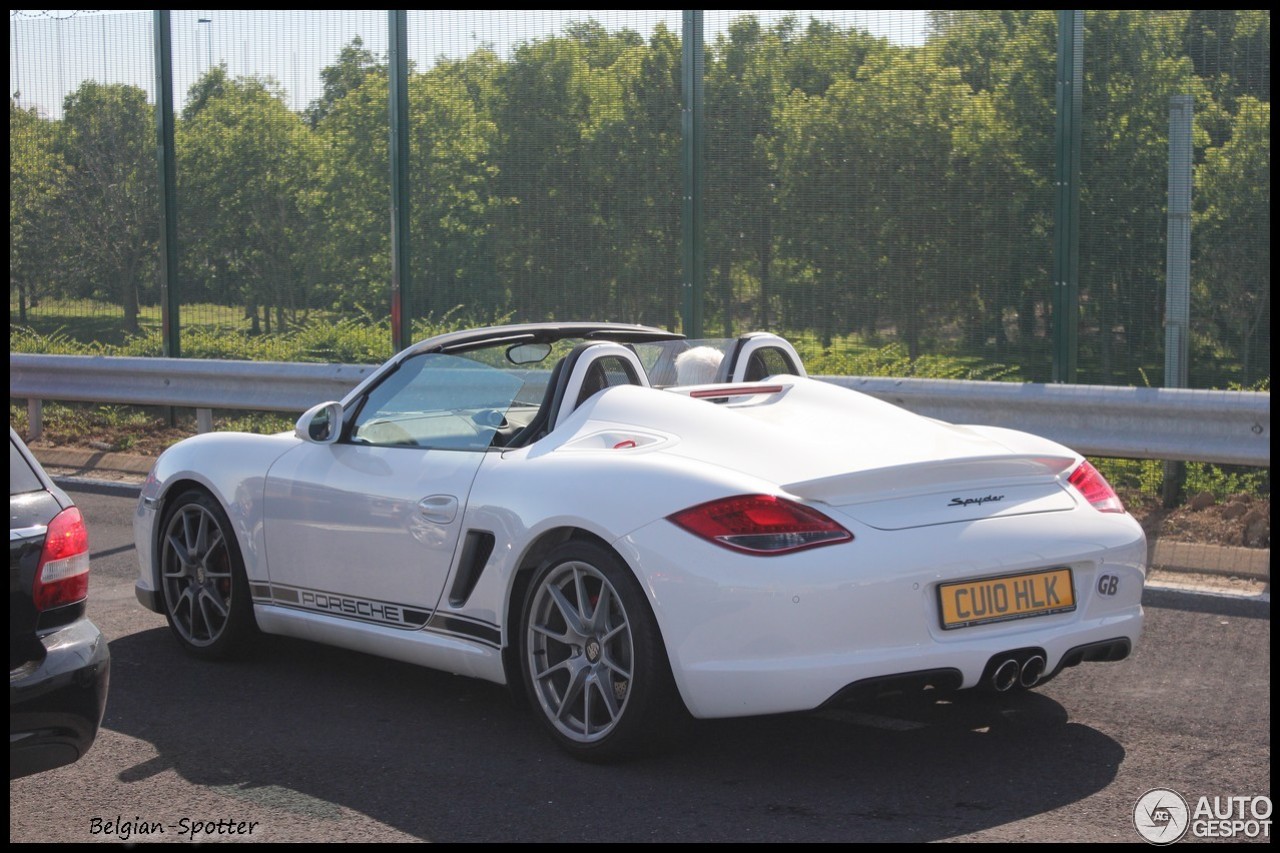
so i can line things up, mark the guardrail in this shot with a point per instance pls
(1176, 424)
(200, 384)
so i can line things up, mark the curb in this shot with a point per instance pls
(118, 488)
(1220, 560)
(123, 473)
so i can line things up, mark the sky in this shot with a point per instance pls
(53, 51)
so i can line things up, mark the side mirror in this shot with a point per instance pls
(320, 424)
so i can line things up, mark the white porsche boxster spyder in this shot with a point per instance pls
(632, 529)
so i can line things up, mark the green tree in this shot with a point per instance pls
(907, 108)
(827, 233)
(636, 156)
(36, 186)
(1003, 170)
(869, 195)
(213, 84)
(450, 184)
(1231, 50)
(824, 54)
(601, 48)
(354, 64)
(755, 76)
(452, 199)
(354, 183)
(1232, 232)
(248, 172)
(549, 233)
(1134, 65)
(745, 87)
(111, 216)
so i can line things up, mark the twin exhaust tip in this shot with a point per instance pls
(1012, 673)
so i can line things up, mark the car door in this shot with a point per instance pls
(365, 528)
(365, 533)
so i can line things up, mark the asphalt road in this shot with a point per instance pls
(305, 743)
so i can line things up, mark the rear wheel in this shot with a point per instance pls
(593, 661)
(202, 578)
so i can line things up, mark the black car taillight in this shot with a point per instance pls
(760, 524)
(63, 574)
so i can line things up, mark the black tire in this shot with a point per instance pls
(202, 579)
(592, 658)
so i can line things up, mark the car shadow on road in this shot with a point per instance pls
(447, 758)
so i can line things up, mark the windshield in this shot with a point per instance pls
(478, 398)
(687, 362)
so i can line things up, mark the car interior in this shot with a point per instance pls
(593, 366)
(586, 370)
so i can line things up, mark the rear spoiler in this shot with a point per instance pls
(932, 476)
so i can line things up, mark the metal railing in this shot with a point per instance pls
(1176, 424)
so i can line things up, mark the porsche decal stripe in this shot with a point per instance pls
(407, 616)
(289, 596)
(461, 627)
(391, 614)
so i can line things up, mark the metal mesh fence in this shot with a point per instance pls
(873, 185)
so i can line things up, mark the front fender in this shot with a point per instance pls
(233, 468)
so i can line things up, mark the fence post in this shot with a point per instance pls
(692, 173)
(35, 418)
(1066, 254)
(169, 291)
(398, 119)
(170, 294)
(1177, 310)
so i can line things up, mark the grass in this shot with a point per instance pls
(1144, 478)
(853, 359)
(70, 327)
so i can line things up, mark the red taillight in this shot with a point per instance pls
(761, 524)
(63, 574)
(1095, 488)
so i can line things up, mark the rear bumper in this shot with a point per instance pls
(763, 635)
(56, 705)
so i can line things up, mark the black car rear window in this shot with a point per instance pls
(21, 478)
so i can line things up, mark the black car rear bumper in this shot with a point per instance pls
(56, 704)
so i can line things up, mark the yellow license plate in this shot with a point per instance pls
(978, 602)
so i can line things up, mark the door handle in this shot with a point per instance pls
(441, 509)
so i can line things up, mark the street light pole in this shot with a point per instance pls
(208, 42)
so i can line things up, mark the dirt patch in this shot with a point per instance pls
(142, 437)
(1240, 520)
(150, 441)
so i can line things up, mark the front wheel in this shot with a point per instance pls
(202, 578)
(593, 661)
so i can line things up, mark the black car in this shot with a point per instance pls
(59, 664)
